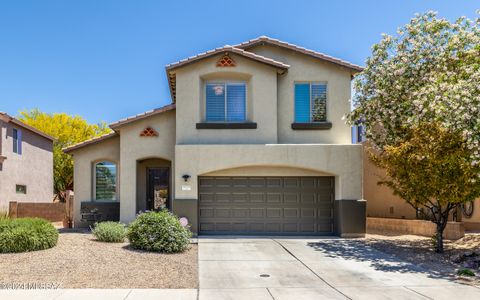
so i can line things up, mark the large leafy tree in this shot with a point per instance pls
(67, 130)
(428, 73)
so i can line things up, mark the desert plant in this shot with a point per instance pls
(465, 272)
(159, 232)
(26, 234)
(110, 232)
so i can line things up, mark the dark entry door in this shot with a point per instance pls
(158, 189)
(266, 205)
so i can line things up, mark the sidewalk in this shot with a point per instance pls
(100, 294)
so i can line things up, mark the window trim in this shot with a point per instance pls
(225, 83)
(310, 83)
(94, 181)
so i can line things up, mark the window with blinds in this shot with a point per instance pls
(310, 102)
(226, 102)
(105, 181)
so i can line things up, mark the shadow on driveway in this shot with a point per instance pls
(363, 251)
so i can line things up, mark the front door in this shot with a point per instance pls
(158, 188)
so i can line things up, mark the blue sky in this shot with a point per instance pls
(104, 60)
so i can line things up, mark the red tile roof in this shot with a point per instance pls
(267, 40)
(89, 142)
(144, 115)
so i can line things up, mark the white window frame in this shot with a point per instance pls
(225, 83)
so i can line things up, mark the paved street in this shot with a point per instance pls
(281, 269)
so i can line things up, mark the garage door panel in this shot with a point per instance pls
(273, 227)
(291, 212)
(291, 198)
(274, 212)
(291, 182)
(206, 197)
(308, 212)
(240, 197)
(207, 212)
(274, 182)
(240, 213)
(257, 213)
(257, 197)
(266, 205)
(274, 197)
(307, 198)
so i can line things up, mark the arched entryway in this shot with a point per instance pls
(154, 184)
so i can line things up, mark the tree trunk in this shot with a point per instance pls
(439, 237)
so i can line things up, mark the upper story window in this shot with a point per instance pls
(105, 181)
(17, 141)
(226, 102)
(310, 102)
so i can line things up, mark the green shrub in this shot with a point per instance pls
(26, 234)
(111, 232)
(159, 232)
(465, 272)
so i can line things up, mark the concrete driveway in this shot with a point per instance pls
(300, 269)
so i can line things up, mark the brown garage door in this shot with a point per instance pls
(266, 205)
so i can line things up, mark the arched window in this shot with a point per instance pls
(106, 181)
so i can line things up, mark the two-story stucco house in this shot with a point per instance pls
(26, 163)
(253, 143)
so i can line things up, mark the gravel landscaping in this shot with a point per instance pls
(79, 261)
(460, 254)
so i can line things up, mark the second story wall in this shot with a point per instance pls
(261, 101)
(31, 167)
(308, 69)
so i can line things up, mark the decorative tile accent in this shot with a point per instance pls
(226, 61)
(148, 132)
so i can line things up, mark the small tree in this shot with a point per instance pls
(428, 73)
(431, 169)
(67, 130)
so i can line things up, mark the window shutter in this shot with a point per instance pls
(215, 102)
(319, 102)
(302, 102)
(236, 98)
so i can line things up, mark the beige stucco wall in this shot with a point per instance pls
(261, 102)
(342, 161)
(134, 148)
(142, 167)
(84, 160)
(305, 68)
(381, 202)
(33, 168)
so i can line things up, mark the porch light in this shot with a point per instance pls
(186, 177)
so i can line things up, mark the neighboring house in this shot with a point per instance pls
(26, 163)
(253, 143)
(382, 203)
